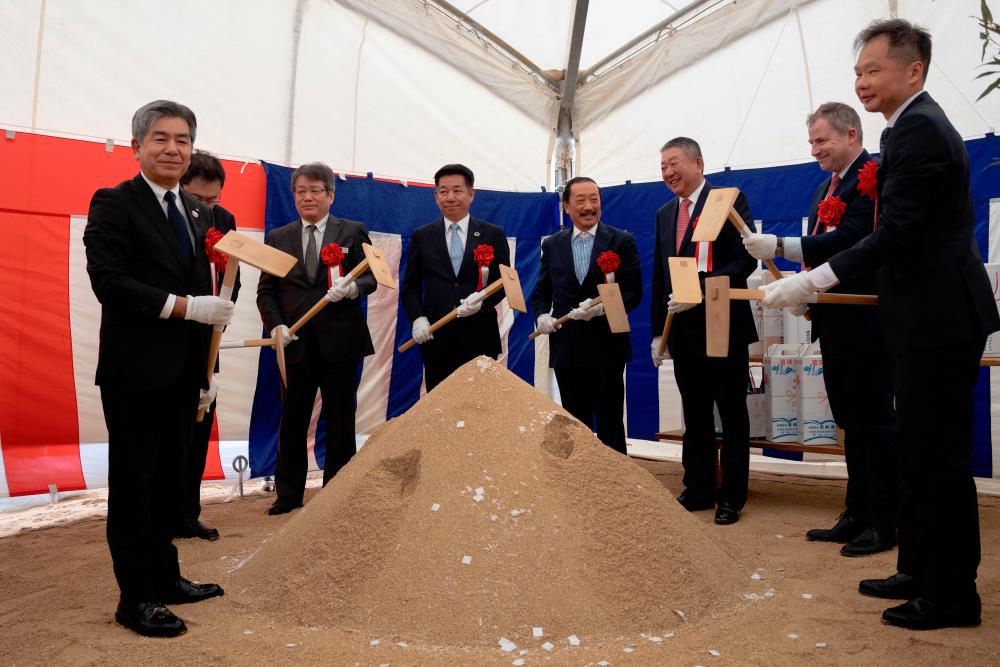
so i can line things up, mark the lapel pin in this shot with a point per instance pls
(194, 212)
(475, 233)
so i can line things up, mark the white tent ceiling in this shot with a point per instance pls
(398, 87)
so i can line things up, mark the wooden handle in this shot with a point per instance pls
(564, 319)
(745, 232)
(666, 332)
(228, 280)
(324, 302)
(489, 291)
(845, 299)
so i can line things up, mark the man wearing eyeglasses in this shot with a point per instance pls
(327, 351)
(203, 181)
(442, 274)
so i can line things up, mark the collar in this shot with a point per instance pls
(592, 231)
(320, 226)
(694, 195)
(902, 107)
(463, 224)
(159, 190)
(847, 167)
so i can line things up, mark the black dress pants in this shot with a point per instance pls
(596, 394)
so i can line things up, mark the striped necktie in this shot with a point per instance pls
(683, 220)
(582, 245)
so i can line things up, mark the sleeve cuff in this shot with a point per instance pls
(168, 307)
(793, 248)
(823, 277)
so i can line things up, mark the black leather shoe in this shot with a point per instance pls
(695, 503)
(897, 587)
(280, 507)
(872, 541)
(149, 619)
(924, 614)
(195, 528)
(726, 514)
(845, 530)
(183, 591)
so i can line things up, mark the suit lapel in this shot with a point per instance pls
(567, 247)
(473, 237)
(145, 201)
(442, 235)
(602, 239)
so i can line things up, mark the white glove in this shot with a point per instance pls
(761, 246)
(654, 350)
(422, 330)
(546, 324)
(676, 307)
(208, 395)
(790, 291)
(209, 310)
(339, 291)
(470, 305)
(288, 335)
(798, 310)
(584, 312)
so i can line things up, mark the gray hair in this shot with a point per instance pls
(689, 146)
(154, 111)
(841, 116)
(315, 171)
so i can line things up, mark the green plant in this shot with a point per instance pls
(990, 34)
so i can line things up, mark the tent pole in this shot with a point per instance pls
(564, 153)
(297, 36)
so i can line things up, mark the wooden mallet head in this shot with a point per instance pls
(717, 316)
(379, 266)
(684, 283)
(614, 307)
(718, 204)
(512, 288)
(253, 252)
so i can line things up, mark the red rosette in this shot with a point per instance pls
(483, 254)
(331, 254)
(608, 261)
(830, 211)
(213, 236)
(868, 180)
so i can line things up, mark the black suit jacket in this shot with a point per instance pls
(845, 324)
(431, 289)
(579, 344)
(932, 286)
(134, 264)
(729, 257)
(340, 328)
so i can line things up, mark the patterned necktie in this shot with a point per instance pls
(582, 245)
(683, 220)
(455, 249)
(312, 259)
(179, 225)
(882, 141)
(834, 182)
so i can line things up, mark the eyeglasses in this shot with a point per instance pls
(315, 192)
(207, 201)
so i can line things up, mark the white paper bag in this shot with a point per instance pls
(782, 366)
(816, 425)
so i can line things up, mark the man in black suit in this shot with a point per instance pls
(588, 359)
(702, 380)
(857, 367)
(327, 351)
(203, 181)
(148, 268)
(442, 274)
(937, 310)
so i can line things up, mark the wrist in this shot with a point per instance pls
(180, 307)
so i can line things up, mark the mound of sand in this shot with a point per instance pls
(484, 512)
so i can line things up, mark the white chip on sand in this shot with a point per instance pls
(480, 490)
(375, 642)
(769, 593)
(516, 512)
(402, 644)
(573, 640)
(536, 632)
(669, 635)
(780, 537)
(493, 517)
(291, 645)
(807, 596)
(478, 499)
(460, 424)
(680, 613)
(521, 429)
(712, 652)
(248, 632)
(604, 663)
(755, 576)
(792, 635)
(523, 651)
(627, 649)
(548, 646)
(466, 560)
(435, 507)
(820, 644)
(519, 661)
(506, 645)
(656, 639)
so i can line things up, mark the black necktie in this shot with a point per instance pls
(179, 225)
(882, 141)
(311, 259)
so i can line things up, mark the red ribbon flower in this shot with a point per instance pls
(331, 254)
(868, 180)
(483, 255)
(609, 261)
(830, 211)
(213, 236)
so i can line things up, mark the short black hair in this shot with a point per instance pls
(568, 185)
(689, 146)
(315, 171)
(205, 166)
(456, 170)
(907, 42)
